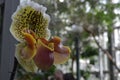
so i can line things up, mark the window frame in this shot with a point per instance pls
(7, 41)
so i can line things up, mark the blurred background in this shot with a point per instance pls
(91, 28)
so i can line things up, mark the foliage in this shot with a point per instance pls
(41, 75)
(85, 74)
(89, 52)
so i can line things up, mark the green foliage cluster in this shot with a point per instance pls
(41, 75)
(89, 52)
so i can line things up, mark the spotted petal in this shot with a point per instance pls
(32, 16)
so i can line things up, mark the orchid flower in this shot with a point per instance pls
(36, 50)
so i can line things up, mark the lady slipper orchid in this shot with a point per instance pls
(36, 50)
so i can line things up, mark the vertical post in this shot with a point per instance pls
(77, 57)
(101, 58)
(1, 23)
(110, 48)
(8, 42)
(101, 65)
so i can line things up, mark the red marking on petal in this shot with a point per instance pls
(61, 52)
(44, 57)
(56, 40)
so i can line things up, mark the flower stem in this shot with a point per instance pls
(14, 69)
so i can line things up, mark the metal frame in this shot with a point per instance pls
(8, 42)
(1, 1)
